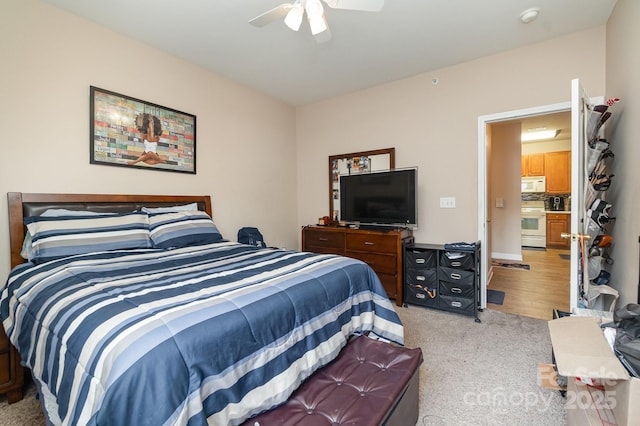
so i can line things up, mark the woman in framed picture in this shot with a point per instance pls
(151, 128)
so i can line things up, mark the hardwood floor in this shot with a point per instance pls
(534, 293)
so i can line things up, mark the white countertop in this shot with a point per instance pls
(557, 212)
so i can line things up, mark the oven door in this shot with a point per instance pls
(534, 229)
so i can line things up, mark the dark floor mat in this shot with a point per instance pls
(495, 297)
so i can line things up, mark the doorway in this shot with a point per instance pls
(545, 284)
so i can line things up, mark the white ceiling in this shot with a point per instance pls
(406, 38)
(559, 121)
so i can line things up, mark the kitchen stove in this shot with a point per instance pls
(533, 224)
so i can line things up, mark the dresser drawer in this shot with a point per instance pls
(423, 277)
(453, 259)
(381, 263)
(324, 250)
(422, 295)
(458, 276)
(4, 340)
(453, 303)
(456, 289)
(423, 259)
(379, 243)
(5, 368)
(389, 282)
(319, 238)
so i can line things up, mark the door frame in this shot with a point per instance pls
(483, 202)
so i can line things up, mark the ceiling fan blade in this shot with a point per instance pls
(272, 15)
(365, 5)
(324, 36)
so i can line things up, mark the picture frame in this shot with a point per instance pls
(353, 163)
(129, 132)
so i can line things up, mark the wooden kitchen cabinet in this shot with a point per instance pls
(557, 224)
(533, 165)
(558, 172)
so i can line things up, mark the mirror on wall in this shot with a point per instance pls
(352, 163)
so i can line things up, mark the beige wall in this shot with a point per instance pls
(505, 184)
(245, 140)
(434, 127)
(623, 81)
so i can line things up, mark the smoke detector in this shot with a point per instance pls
(529, 15)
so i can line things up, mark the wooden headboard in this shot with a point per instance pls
(23, 205)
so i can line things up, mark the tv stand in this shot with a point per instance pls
(380, 249)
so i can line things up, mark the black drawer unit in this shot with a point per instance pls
(449, 280)
(421, 286)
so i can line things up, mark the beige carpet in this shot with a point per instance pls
(481, 374)
(473, 374)
(24, 413)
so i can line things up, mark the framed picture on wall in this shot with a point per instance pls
(130, 132)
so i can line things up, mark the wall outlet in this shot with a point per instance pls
(447, 202)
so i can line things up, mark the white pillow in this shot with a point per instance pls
(65, 212)
(183, 208)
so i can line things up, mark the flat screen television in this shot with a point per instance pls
(385, 198)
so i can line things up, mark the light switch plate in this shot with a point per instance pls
(447, 202)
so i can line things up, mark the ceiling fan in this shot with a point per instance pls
(294, 12)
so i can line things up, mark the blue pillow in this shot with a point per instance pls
(61, 236)
(182, 229)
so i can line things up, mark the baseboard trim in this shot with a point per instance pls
(506, 256)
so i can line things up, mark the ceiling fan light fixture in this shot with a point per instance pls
(314, 9)
(317, 24)
(293, 19)
(538, 135)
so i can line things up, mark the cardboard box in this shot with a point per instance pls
(581, 351)
(589, 405)
(548, 378)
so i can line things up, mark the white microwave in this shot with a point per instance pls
(534, 184)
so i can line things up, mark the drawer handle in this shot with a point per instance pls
(420, 260)
(455, 276)
(421, 278)
(323, 239)
(456, 304)
(456, 290)
(456, 264)
(368, 243)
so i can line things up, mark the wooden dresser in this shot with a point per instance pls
(11, 372)
(382, 250)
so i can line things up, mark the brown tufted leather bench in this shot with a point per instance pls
(369, 383)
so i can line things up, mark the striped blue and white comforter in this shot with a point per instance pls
(202, 335)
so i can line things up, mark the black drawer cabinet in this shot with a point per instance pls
(443, 279)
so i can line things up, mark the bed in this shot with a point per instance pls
(127, 316)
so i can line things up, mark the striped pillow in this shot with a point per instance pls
(61, 236)
(182, 228)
